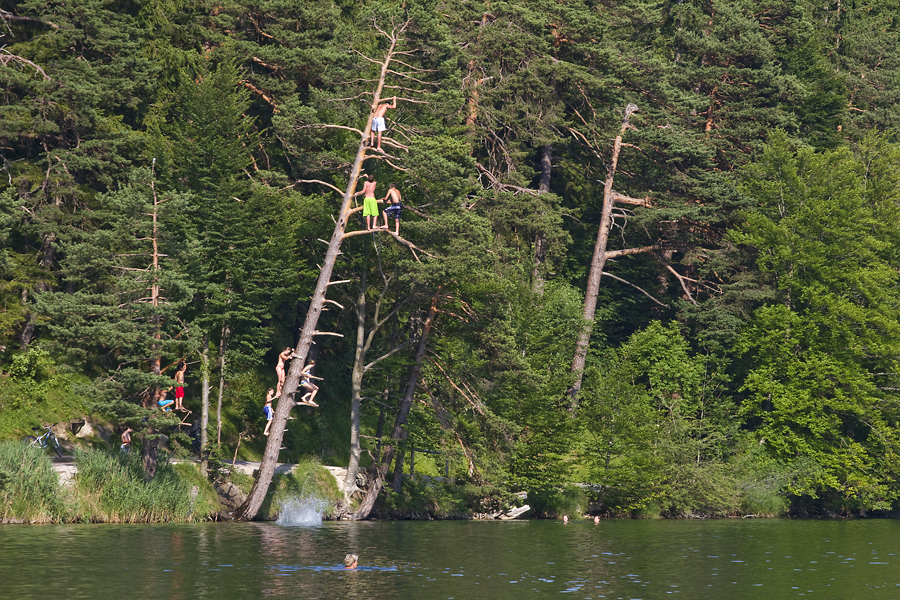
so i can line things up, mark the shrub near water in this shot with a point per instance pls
(308, 480)
(29, 487)
(111, 488)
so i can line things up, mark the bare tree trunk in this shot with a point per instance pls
(223, 347)
(356, 382)
(276, 433)
(405, 404)
(540, 240)
(150, 442)
(149, 455)
(397, 481)
(546, 168)
(597, 263)
(26, 334)
(204, 403)
(475, 81)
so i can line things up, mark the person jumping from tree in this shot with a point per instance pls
(306, 383)
(394, 208)
(370, 204)
(279, 368)
(179, 386)
(378, 121)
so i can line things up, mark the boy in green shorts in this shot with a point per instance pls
(370, 204)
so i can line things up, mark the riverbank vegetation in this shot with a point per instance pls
(168, 176)
(109, 487)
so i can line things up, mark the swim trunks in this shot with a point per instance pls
(179, 392)
(393, 211)
(370, 207)
(267, 410)
(378, 124)
(165, 404)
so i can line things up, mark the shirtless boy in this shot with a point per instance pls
(378, 121)
(394, 208)
(268, 411)
(179, 386)
(370, 204)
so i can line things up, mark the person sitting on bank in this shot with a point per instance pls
(351, 561)
(394, 208)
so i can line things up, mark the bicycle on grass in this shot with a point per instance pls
(45, 440)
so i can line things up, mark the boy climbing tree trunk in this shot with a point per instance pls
(276, 434)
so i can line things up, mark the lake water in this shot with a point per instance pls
(728, 559)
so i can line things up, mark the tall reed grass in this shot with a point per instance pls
(111, 488)
(29, 487)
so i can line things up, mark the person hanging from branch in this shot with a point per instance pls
(305, 382)
(279, 368)
(394, 208)
(378, 121)
(370, 204)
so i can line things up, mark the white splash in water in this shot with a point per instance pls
(304, 511)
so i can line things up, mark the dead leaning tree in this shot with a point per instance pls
(598, 262)
(260, 488)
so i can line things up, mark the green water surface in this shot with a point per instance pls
(728, 559)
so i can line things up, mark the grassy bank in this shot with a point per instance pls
(308, 480)
(109, 488)
(29, 487)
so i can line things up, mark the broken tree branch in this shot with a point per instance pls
(641, 290)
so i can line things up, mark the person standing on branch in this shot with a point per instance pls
(179, 386)
(394, 208)
(268, 411)
(378, 121)
(370, 204)
(307, 384)
(279, 368)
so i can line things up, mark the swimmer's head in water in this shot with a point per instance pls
(350, 560)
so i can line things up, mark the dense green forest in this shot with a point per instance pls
(168, 177)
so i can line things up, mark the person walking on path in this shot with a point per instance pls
(179, 386)
(394, 208)
(268, 411)
(370, 204)
(378, 124)
(279, 368)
